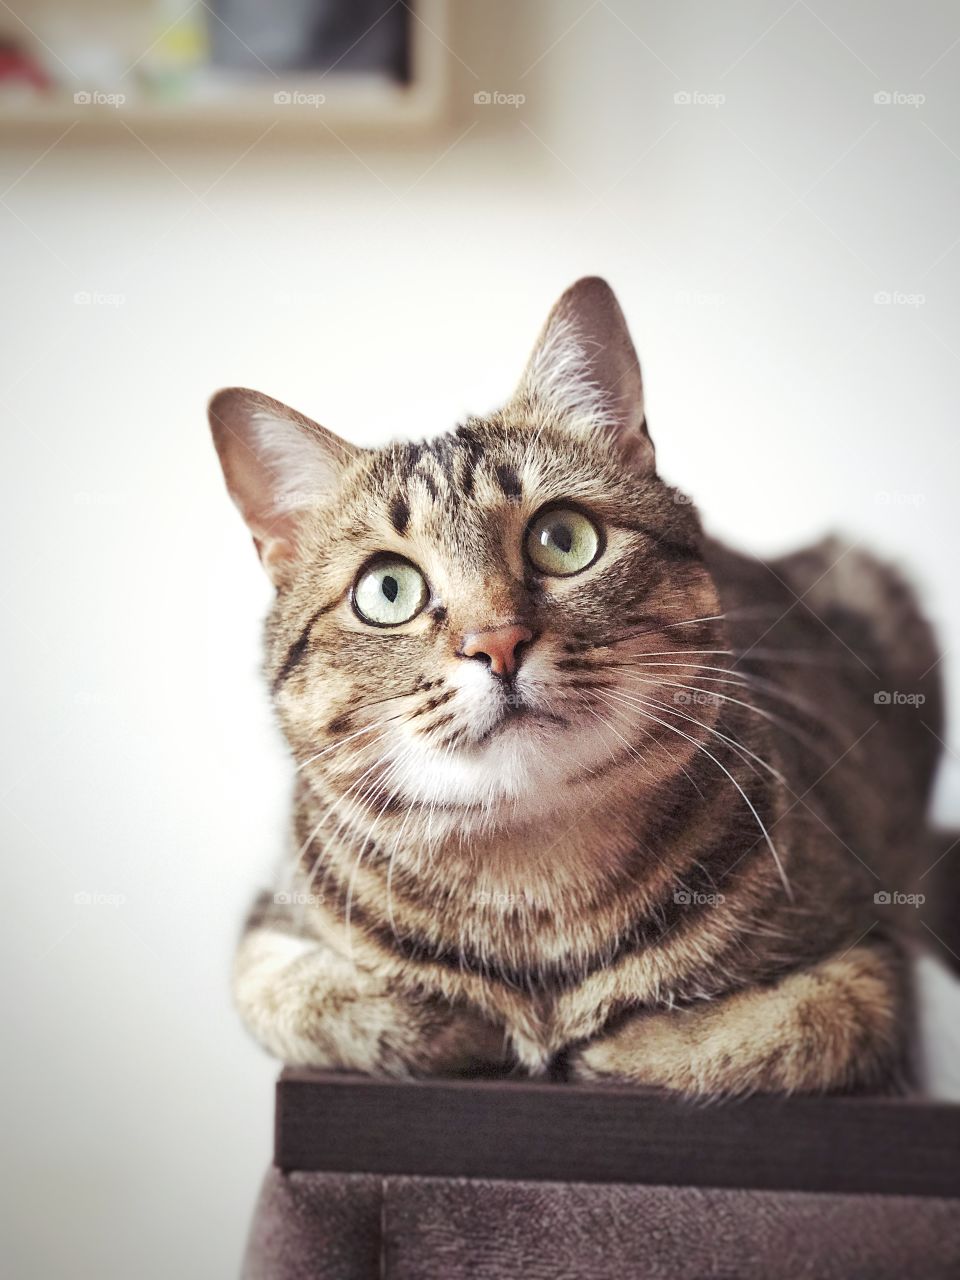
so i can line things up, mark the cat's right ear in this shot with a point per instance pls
(277, 465)
(584, 368)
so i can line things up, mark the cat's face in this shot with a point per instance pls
(479, 625)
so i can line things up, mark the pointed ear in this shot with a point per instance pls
(277, 465)
(585, 369)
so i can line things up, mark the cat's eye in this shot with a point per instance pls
(389, 591)
(561, 541)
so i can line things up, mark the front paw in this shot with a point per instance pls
(648, 1049)
(838, 1025)
(311, 1007)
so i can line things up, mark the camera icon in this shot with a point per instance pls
(683, 98)
(883, 298)
(683, 897)
(882, 698)
(82, 98)
(482, 98)
(882, 898)
(283, 898)
(883, 98)
(282, 98)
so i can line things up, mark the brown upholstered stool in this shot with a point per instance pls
(437, 1180)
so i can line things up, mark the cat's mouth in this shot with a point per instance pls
(516, 711)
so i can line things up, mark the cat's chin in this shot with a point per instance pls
(522, 765)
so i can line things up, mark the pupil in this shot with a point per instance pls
(562, 536)
(390, 588)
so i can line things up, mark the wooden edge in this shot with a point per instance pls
(553, 1132)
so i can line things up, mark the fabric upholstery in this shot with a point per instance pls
(318, 1226)
(310, 1226)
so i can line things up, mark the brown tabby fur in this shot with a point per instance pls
(606, 905)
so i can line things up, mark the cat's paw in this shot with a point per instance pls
(835, 1026)
(311, 1007)
(649, 1049)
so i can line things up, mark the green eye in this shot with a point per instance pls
(561, 542)
(389, 591)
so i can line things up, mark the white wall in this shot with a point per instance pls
(388, 291)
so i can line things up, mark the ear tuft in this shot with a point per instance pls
(584, 368)
(277, 464)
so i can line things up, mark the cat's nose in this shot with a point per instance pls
(499, 647)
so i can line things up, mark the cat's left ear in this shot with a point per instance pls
(277, 465)
(585, 369)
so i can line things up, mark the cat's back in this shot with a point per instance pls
(838, 638)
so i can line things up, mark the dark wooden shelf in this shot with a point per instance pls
(567, 1133)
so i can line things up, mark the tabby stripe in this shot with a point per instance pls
(298, 648)
(400, 515)
(411, 456)
(725, 855)
(429, 482)
(472, 460)
(669, 548)
(442, 451)
(641, 935)
(508, 481)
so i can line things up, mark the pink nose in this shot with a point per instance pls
(499, 646)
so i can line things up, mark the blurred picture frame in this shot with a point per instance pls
(310, 68)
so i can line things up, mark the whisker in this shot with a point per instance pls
(791, 730)
(405, 754)
(343, 741)
(649, 631)
(742, 750)
(744, 678)
(629, 745)
(682, 768)
(749, 803)
(353, 808)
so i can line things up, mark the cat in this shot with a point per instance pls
(579, 791)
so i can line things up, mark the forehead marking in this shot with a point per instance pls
(400, 514)
(471, 450)
(508, 481)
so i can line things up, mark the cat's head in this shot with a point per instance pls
(483, 623)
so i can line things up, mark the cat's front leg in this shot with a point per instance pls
(310, 1006)
(839, 1024)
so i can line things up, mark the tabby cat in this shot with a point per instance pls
(579, 791)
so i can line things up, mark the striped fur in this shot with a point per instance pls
(666, 871)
